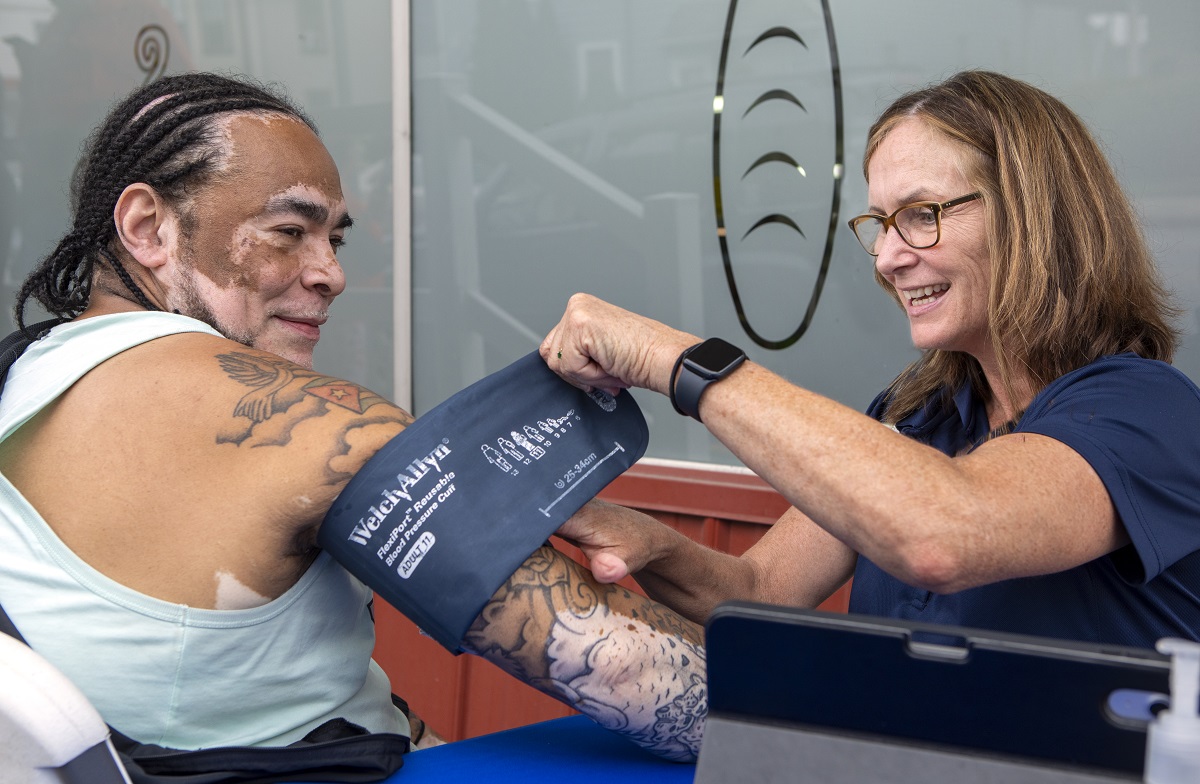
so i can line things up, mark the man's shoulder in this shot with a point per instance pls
(90, 341)
(128, 323)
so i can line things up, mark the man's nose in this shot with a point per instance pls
(323, 273)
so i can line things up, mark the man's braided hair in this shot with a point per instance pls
(164, 134)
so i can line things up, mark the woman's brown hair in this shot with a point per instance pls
(1071, 278)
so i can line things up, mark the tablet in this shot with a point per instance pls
(884, 697)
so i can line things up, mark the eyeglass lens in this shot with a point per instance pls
(918, 226)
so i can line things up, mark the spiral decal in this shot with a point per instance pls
(151, 49)
(792, 99)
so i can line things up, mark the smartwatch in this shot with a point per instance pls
(699, 366)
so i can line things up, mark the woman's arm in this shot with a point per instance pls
(794, 563)
(1020, 505)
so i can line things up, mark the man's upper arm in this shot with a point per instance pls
(291, 436)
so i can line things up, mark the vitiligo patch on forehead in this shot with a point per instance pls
(266, 117)
(273, 136)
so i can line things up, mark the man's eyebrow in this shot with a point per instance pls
(317, 213)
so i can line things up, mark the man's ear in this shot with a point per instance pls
(145, 225)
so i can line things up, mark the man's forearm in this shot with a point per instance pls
(632, 665)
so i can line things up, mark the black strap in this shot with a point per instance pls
(354, 755)
(7, 626)
(10, 349)
(13, 346)
(337, 751)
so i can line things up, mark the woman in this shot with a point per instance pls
(1036, 470)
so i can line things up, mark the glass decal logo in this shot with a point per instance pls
(803, 203)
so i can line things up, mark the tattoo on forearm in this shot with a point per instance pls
(629, 663)
(283, 395)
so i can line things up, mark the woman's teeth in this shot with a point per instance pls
(924, 295)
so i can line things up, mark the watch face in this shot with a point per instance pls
(715, 356)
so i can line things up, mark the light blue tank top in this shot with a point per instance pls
(166, 673)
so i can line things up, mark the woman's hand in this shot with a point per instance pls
(597, 345)
(617, 541)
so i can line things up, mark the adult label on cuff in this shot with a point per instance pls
(445, 512)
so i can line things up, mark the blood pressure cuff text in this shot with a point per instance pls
(446, 511)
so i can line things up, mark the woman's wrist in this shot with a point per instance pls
(673, 379)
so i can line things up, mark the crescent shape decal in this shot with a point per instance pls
(776, 32)
(773, 95)
(776, 218)
(723, 209)
(773, 157)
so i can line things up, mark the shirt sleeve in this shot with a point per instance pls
(1137, 423)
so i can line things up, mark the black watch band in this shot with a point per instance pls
(698, 367)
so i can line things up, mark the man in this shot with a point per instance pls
(169, 455)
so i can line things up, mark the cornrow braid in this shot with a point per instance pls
(165, 134)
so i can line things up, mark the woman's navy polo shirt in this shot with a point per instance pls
(1137, 423)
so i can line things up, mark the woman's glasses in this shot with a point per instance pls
(919, 224)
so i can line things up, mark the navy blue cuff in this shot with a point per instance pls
(445, 512)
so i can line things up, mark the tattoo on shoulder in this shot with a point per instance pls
(282, 395)
(629, 663)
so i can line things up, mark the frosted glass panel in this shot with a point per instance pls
(569, 145)
(64, 63)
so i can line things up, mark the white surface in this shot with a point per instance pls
(45, 721)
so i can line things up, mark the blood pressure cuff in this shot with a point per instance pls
(446, 511)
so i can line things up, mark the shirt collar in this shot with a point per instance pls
(951, 429)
